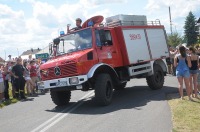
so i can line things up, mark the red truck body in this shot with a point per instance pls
(114, 53)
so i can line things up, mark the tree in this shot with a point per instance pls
(174, 39)
(190, 29)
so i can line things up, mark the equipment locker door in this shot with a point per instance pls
(158, 43)
(136, 45)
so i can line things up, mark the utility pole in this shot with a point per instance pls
(18, 52)
(170, 20)
(5, 54)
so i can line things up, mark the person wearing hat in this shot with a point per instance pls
(78, 26)
(9, 58)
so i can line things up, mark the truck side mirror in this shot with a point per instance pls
(102, 36)
(56, 41)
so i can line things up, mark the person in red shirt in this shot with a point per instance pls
(33, 74)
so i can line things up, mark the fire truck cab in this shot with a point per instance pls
(104, 57)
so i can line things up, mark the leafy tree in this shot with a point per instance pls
(190, 29)
(174, 39)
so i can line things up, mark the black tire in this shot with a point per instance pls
(120, 86)
(60, 97)
(156, 81)
(103, 89)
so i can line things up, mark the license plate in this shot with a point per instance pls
(60, 84)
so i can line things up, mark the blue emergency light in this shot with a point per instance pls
(62, 33)
(90, 23)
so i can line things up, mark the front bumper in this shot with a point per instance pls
(62, 82)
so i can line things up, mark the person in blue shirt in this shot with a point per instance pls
(182, 63)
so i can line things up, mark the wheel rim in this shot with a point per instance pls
(158, 77)
(108, 90)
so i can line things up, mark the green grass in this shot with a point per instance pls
(185, 114)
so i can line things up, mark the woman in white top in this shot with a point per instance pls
(29, 83)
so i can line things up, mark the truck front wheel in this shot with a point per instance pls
(156, 80)
(60, 97)
(103, 89)
(120, 86)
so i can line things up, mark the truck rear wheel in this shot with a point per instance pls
(120, 86)
(103, 89)
(156, 80)
(60, 97)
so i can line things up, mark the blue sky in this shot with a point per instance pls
(26, 24)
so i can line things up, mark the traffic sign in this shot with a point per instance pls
(42, 56)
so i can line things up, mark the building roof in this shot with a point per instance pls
(2, 60)
(44, 50)
(31, 51)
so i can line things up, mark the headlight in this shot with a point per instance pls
(44, 72)
(40, 85)
(74, 80)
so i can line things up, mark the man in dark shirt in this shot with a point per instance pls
(18, 72)
(13, 79)
(78, 26)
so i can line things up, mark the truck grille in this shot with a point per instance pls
(66, 71)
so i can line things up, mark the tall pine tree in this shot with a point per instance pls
(174, 39)
(190, 29)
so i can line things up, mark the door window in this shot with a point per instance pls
(108, 38)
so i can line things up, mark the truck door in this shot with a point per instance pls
(106, 50)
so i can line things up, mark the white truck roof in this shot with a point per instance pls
(126, 20)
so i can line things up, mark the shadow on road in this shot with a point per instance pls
(129, 98)
(27, 99)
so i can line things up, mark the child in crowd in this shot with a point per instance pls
(33, 73)
(29, 84)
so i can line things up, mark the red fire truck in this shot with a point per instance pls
(104, 57)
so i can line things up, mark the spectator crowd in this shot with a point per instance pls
(184, 64)
(21, 76)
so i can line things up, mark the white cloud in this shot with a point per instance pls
(179, 10)
(94, 3)
(43, 24)
(12, 27)
(16, 31)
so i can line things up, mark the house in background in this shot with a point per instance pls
(32, 52)
(44, 50)
(2, 61)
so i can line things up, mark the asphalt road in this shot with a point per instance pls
(135, 109)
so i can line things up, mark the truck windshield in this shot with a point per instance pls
(76, 41)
